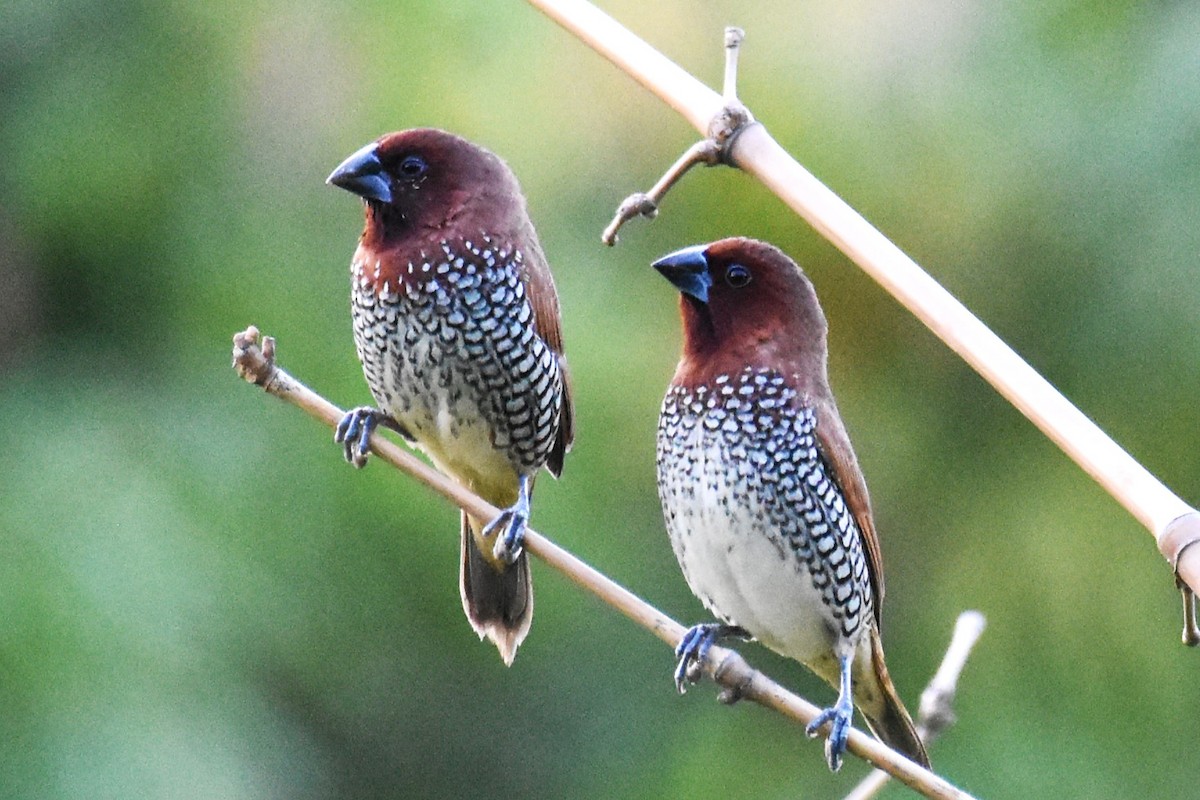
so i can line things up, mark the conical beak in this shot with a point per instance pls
(688, 270)
(362, 173)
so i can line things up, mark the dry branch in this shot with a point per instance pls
(253, 358)
(936, 713)
(1174, 524)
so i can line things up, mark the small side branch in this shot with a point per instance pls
(936, 713)
(645, 204)
(1191, 632)
(253, 358)
(1179, 544)
(710, 151)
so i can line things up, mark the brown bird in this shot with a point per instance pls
(763, 498)
(457, 326)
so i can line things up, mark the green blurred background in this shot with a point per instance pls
(199, 599)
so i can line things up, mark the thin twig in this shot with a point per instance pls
(1191, 630)
(1173, 522)
(645, 204)
(713, 149)
(253, 358)
(936, 713)
(733, 44)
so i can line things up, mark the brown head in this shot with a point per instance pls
(425, 183)
(745, 303)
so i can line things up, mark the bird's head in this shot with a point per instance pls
(745, 303)
(426, 178)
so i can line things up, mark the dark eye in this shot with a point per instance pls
(737, 276)
(413, 166)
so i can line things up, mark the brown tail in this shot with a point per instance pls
(889, 720)
(497, 598)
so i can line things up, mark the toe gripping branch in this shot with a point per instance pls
(839, 716)
(694, 646)
(510, 525)
(1180, 539)
(355, 429)
(354, 433)
(723, 129)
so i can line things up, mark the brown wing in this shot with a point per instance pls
(834, 445)
(548, 321)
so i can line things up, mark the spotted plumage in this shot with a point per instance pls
(763, 499)
(457, 326)
(781, 495)
(452, 356)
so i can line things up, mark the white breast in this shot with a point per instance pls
(740, 569)
(760, 530)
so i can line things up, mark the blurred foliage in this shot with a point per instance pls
(201, 600)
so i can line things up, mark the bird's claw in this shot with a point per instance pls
(694, 646)
(354, 433)
(839, 716)
(510, 525)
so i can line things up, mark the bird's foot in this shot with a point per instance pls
(354, 433)
(509, 526)
(840, 715)
(694, 646)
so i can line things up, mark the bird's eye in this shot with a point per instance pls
(737, 276)
(413, 167)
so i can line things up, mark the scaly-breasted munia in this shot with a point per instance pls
(763, 498)
(457, 326)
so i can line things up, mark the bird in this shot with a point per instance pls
(762, 496)
(457, 326)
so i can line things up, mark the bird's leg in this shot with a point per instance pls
(354, 432)
(839, 715)
(510, 523)
(694, 646)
